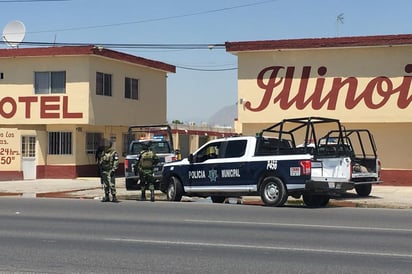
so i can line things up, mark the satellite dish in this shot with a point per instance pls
(13, 33)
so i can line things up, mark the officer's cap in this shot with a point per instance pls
(107, 143)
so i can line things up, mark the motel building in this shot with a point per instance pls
(365, 82)
(58, 103)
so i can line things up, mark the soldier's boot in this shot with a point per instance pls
(106, 198)
(114, 199)
(152, 196)
(143, 198)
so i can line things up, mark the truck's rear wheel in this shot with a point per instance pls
(315, 200)
(364, 190)
(174, 190)
(273, 192)
(218, 199)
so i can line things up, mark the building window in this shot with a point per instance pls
(60, 143)
(103, 84)
(28, 146)
(131, 88)
(49, 82)
(93, 141)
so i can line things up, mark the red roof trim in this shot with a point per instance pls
(86, 50)
(310, 43)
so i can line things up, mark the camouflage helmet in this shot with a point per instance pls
(107, 143)
(146, 145)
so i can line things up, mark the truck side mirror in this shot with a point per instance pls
(191, 158)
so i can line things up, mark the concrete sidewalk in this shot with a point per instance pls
(86, 187)
(90, 188)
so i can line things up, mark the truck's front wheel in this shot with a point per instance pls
(174, 190)
(273, 192)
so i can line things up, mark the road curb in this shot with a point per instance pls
(384, 199)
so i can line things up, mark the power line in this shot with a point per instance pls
(155, 19)
(132, 45)
(211, 70)
(28, 1)
(145, 46)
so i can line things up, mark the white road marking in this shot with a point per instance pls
(302, 225)
(259, 247)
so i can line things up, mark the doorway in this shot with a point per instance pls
(28, 157)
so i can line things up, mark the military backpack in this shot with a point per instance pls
(146, 160)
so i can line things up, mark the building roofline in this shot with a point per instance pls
(86, 50)
(316, 43)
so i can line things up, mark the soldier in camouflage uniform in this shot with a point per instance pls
(108, 162)
(147, 160)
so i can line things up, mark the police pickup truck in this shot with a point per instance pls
(160, 139)
(283, 160)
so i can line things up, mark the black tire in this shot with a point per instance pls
(273, 192)
(218, 199)
(174, 190)
(364, 190)
(131, 184)
(315, 200)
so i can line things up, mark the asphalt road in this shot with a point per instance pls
(87, 236)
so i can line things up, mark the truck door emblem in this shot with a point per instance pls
(212, 175)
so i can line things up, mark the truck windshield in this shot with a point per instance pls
(157, 147)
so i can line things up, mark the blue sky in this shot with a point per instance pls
(210, 83)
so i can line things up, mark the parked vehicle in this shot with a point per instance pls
(161, 142)
(286, 159)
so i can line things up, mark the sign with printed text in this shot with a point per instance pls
(10, 158)
(42, 109)
(327, 83)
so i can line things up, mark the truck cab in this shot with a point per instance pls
(237, 166)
